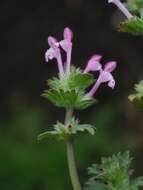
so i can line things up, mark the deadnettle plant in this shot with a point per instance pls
(69, 91)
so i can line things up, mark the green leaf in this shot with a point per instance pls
(137, 101)
(139, 88)
(74, 127)
(80, 81)
(94, 170)
(76, 81)
(61, 98)
(52, 135)
(136, 183)
(68, 99)
(69, 91)
(133, 26)
(68, 131)
(113, 174)
(93, 185)
(116, 168)
(84, 101)
(86, 128)
(137, 98)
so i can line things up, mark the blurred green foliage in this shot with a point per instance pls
(133, 26)
(28, 165)
(137, 97)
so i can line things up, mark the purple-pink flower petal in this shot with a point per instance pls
(93, 64)
(111, 83)
(68, 34)
(96, 57)
(53, 42)
(54, 52)
(110, 66)
(66, 45)
(105, 76)
(50, 54)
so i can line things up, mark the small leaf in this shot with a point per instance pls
(61, 98)
(85, 127)
(137, 98)
(47, 135)
(64, 132)
(85, 101)
(94, 170)
(139, 88)
(136, 183)
(113, 174)
(93, 185)
(81, 81)
(68, 99)
(76, 81)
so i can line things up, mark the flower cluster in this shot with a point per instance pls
(104, 73)
(93, 64)
(55, 52)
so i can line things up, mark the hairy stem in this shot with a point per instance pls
(72, 166)
(71, 157)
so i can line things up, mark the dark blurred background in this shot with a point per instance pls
(24, 28)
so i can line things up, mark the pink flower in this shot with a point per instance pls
(93, 64)
(122, 8)
(54, 52)
(104, 76)
(66, 44)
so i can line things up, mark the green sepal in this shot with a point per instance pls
(137, 98)
(68, 131)
(133, 26)
(68, 99)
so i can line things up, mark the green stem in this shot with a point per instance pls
(69, 113)
(71, 158)
(72, 166)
